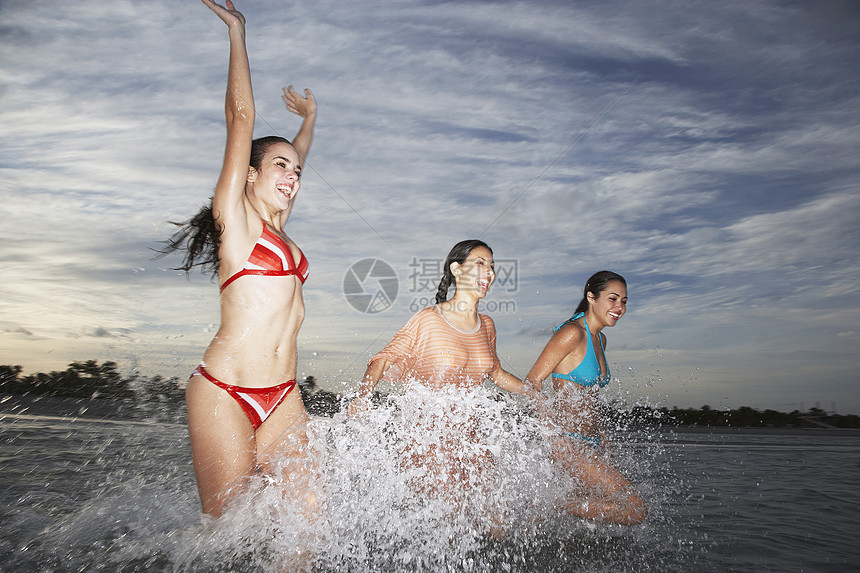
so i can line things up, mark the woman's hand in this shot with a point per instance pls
(359, 406)
(302, 106)
(534, 394)
(228, 14)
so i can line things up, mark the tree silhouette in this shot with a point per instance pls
(89, 379)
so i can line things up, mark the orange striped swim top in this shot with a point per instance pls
(433, 352)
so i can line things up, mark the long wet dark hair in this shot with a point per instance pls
(458, 254)
(200, 236)
(597, 284)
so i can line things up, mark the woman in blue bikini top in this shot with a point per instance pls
(578, 370)
(571, 356)
(589, 372)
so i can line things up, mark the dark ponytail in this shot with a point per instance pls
(596, 285)
(458, 254)
(200, 236)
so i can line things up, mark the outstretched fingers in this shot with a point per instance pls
(303, 106)
(227, 13)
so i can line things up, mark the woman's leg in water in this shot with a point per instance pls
(282, 452)
(222, 443)
(606, 494)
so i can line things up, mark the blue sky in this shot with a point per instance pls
(706, 151)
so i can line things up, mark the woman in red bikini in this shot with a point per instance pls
(243, 416)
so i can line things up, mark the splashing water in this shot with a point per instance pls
(448, 480)
(431, 477)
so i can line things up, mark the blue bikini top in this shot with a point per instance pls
(588, 371)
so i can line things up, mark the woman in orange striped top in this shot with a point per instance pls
(449, 346)
(449, 343)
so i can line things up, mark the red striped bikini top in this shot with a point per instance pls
(272, 257)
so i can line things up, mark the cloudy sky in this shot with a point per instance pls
(708, 151)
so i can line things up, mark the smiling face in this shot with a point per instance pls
(476, 273)
(277, 180)
(610, 305)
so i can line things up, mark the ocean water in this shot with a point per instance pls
(109, 495)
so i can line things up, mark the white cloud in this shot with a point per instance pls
(722, 182)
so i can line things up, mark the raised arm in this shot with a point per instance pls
(228, 202)
(306, 108)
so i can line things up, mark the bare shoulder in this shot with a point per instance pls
(570, 331)
(567, 339)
